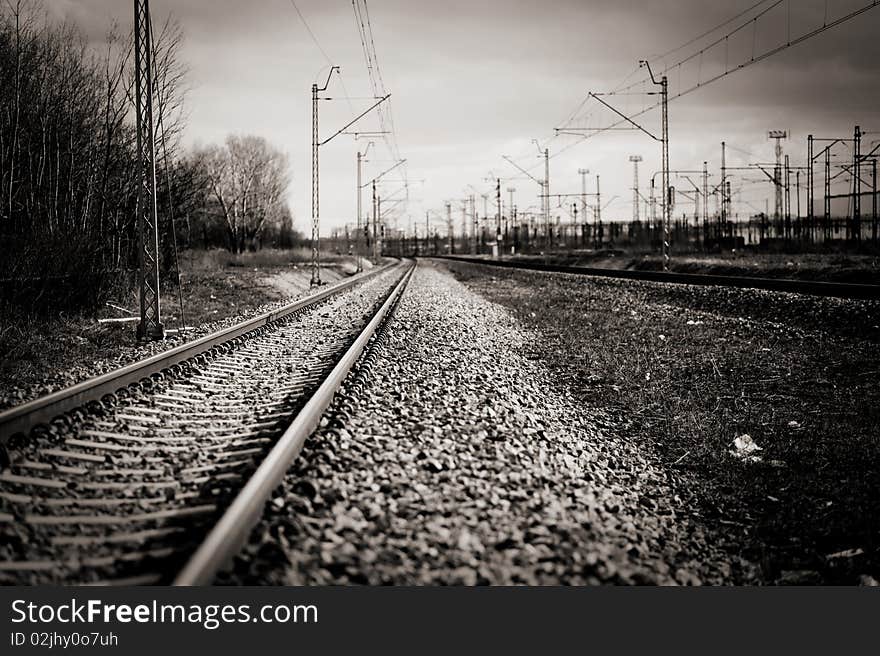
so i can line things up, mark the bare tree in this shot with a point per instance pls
(67, 145)
(247, 180)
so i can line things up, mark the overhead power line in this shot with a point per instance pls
(745, 64)
(311, 34)
(374, 73)
(712, 30)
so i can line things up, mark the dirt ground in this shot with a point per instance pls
(39, 356)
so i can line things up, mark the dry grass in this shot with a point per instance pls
(40, 353)
(830, 267)
(806, 391)
(217, 259)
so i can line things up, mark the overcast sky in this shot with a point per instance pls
(472, 81)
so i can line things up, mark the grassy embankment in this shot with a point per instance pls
(806, 266)
(38, 354)
(685, 371)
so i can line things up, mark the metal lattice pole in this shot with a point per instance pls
(375, 245)
(826, 232)
(664, 90)
(722, 215)
(583, 173)
(778, 183)
(498, 241)
(475, 225)
(874, 200)
(360, 265)
(449, 235)
(635, 159)
(508, 224)
(705, 199)
(810, 190)
(857, 186)
(464, 225)
(150, 326)
(787, 201)
(547, 196)
(316, 223)
(598, 228)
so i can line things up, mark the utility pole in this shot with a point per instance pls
(787, 199)
(375, 224)
(474, 225)
(361, 158)
(598, 215)
(150, 326)
(827, 229)
(810, 209)
(357, 242)
(508, 225)
(449, 226)
(722, 220)
(464, 223)
(316, 144)
(664, 139)
(729, 196)
(532, 230)
(547, 191)
(316, 223)
(498, 242)
(485, 215)
(778, 136)
(857, 185)
(705, 193)
(379, 242)
(635, 159)
(583, 173)
(874, 200)
(545, 187)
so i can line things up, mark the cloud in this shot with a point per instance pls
(474, 80)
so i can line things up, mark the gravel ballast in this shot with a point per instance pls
(450, 458)
(125, 491)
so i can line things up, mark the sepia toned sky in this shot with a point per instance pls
(472, 81)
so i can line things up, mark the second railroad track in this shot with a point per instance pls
(812, 287)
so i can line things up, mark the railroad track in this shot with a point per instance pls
(162, 479)
(815, 288)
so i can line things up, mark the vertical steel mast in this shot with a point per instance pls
(857, 185)
(667, 200)
(316, 221)
(778, 184)
(583, 173)
(547, 195)
(635, 159)
(360, 266)
(150, 326)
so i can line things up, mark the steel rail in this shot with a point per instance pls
(24, 417)
(232, 530)
(811, 287)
